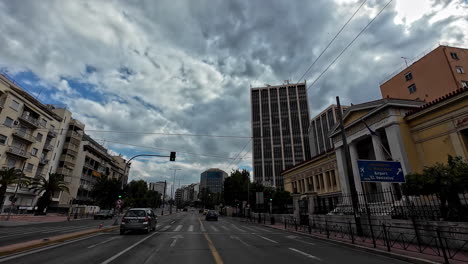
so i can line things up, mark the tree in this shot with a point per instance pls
(152, 199)
(10, 176)
(135, 193)
(48, 188)
(235, 187)
(106, 191)
(446, 181)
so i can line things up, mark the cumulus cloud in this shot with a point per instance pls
(186, 66)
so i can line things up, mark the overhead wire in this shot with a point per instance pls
(331, 41)
(238, 154)
(349, 44)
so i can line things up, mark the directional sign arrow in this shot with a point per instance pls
(175, 239)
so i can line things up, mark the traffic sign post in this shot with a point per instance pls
(380, 171)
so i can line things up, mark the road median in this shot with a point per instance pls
(37, 243)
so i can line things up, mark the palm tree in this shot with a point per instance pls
(10, 176)
(48, 187)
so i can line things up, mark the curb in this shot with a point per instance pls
(24, 246)
(370, 250)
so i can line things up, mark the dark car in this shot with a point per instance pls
(138, 219)
(104, 214)
(211, 215)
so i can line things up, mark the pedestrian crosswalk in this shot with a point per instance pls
(210, 228)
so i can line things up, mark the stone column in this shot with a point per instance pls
(380, 155)
(354, 158)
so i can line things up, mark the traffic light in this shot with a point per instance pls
(271, 199)
(120, 196)
(172, 157)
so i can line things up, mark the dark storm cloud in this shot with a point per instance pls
(187, 66)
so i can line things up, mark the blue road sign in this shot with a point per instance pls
(380, 171)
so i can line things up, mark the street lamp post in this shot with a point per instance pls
(173, 189)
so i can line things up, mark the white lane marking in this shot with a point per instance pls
(46, 248)
(103, 242)
(267, 239)
(297, 239)
(158, 225)
(202, 228)
(248, 228)
(172, 222)
(109, 260)
(166, 228)
(305, 254)
(225, 228)
(190, 229)
(240, 240)
(241, 230)
(261, 229)
(175, 240)
(178, 228)
(214, 228)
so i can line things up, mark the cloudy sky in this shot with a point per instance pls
(186, 67)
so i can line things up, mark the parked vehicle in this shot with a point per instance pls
(104, 214)
(211, 215)
(138, 219)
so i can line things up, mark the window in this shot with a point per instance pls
(15, 105)
(460, 69)
(55, 155)
(464, 84)
(454, 55)
(34, 151)
(43, 122)
(8, 122)
(29, 167)
(412, 88)
(408, 76)
(3, 139)
(39, 137)
(11, 163)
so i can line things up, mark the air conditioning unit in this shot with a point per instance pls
(16, 122)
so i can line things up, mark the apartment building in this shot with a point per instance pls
(27, 138)
(159, 187)
(437, 73)
(280, 120)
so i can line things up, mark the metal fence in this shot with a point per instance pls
(445, 244)
(397, 205)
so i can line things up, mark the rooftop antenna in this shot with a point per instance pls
(406, 61)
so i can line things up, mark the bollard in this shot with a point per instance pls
(387, 242)
(295, 224)
(351, 232)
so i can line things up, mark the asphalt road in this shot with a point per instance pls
(188, 238)
(17, 234)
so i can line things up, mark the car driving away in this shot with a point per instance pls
(211, 215)
(138, 219)
(104, 214)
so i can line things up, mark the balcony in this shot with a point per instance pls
(64, 171)
(43, 161)
(68, 161)
(52, 133)
(18, 152)
(48, 147)
(77, 124)
(71, 146)
(29, 120)
(25, 136)
(74, 134)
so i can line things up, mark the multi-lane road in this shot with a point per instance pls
(188, 238)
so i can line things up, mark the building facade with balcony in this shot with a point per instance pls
(25, 139)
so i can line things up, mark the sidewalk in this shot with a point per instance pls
(396, 251)
(29, 219)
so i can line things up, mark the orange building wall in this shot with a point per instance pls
(433, 74)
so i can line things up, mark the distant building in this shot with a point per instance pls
(178, 196)
(157, 186)
(441, 71)
(280, 121)
(213, 180)
(319, 128)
